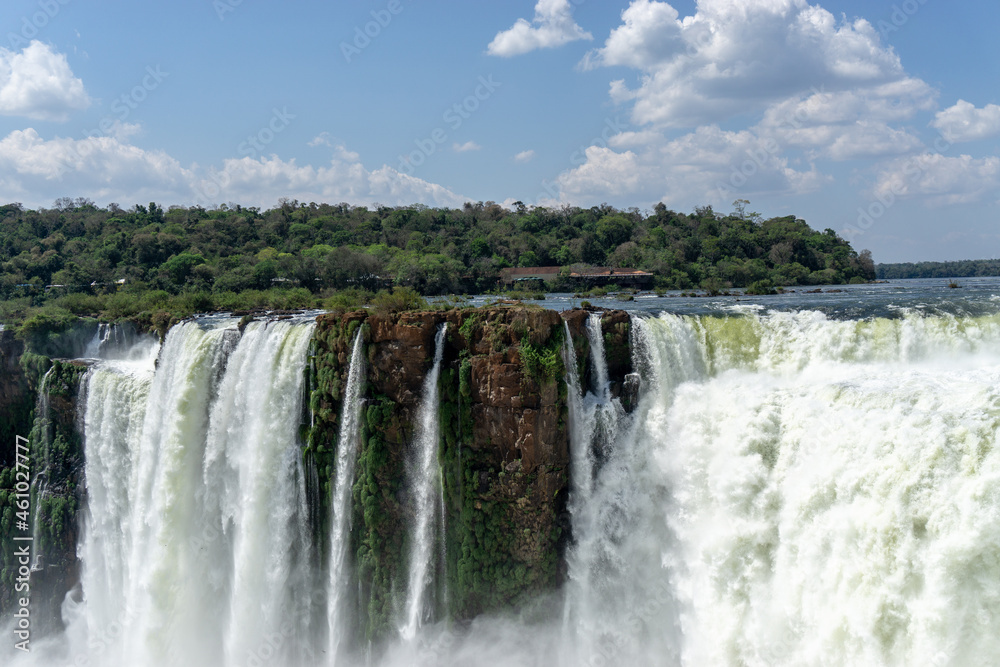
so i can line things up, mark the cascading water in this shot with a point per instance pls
(426, 483)
(197, 539)
(347, 453)
(44, 433)
(619, 606)
(789, 490)
(119, 342)
(834, 489)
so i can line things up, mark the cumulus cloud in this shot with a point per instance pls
(38, 83)
(552, 26)
(36, 171)
(964, 122)
(525, 156)
(849, 124)
(466, 147)
(732, 57)
(321, 139)
(797, 88)
(940, 179)
(705, 166)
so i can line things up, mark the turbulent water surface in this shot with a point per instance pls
(797, 486)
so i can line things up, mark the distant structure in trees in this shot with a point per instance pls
(595, 275)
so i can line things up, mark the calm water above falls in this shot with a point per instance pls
(889, 299)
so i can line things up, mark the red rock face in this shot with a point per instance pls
(505, 440)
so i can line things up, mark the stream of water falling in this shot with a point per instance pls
(791, 490)
(197, 544)
(426, 483)
(348, 443)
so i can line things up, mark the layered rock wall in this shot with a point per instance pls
(504, 452)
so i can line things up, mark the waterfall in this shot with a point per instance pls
(43, 431)
(619, 604)
(834, 489)
(788, 490)
(425, 474)
(119, 341)
(347, 453)
(197, 543)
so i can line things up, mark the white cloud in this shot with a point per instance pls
(964, 122)
(321, 139)
(525, 156)
(263, 181)
(37, 83)
(467, 146)
(733, 57)
(941, 180)
(650, 34)
(796, 86)
(849, 124)
(552, 26)
(705, 166)
(870, 139)
(36, 171)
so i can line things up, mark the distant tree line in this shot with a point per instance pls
(325, 247)
(967, 268)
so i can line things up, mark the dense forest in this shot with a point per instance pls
(114, 262)
(968, 268)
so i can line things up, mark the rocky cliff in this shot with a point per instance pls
(45, 391)
(504, 453)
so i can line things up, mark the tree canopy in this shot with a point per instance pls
(433, 250)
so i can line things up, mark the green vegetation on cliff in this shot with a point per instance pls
(503, 456)
(56, 465)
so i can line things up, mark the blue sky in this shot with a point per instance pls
(878, 119)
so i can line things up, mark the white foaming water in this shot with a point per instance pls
(196, 548)
(425, 474)
(347, 454)
(120, 342)
(790, 491)
(835, 492)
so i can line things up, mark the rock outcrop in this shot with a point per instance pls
(49, 389)
(504, 455)
(504, 452)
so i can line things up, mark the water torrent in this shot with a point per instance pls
(426, 482)
(119, 342)
(789, 489)
(43, 432)
(197, 538)
(347, 453)
(618, 604)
